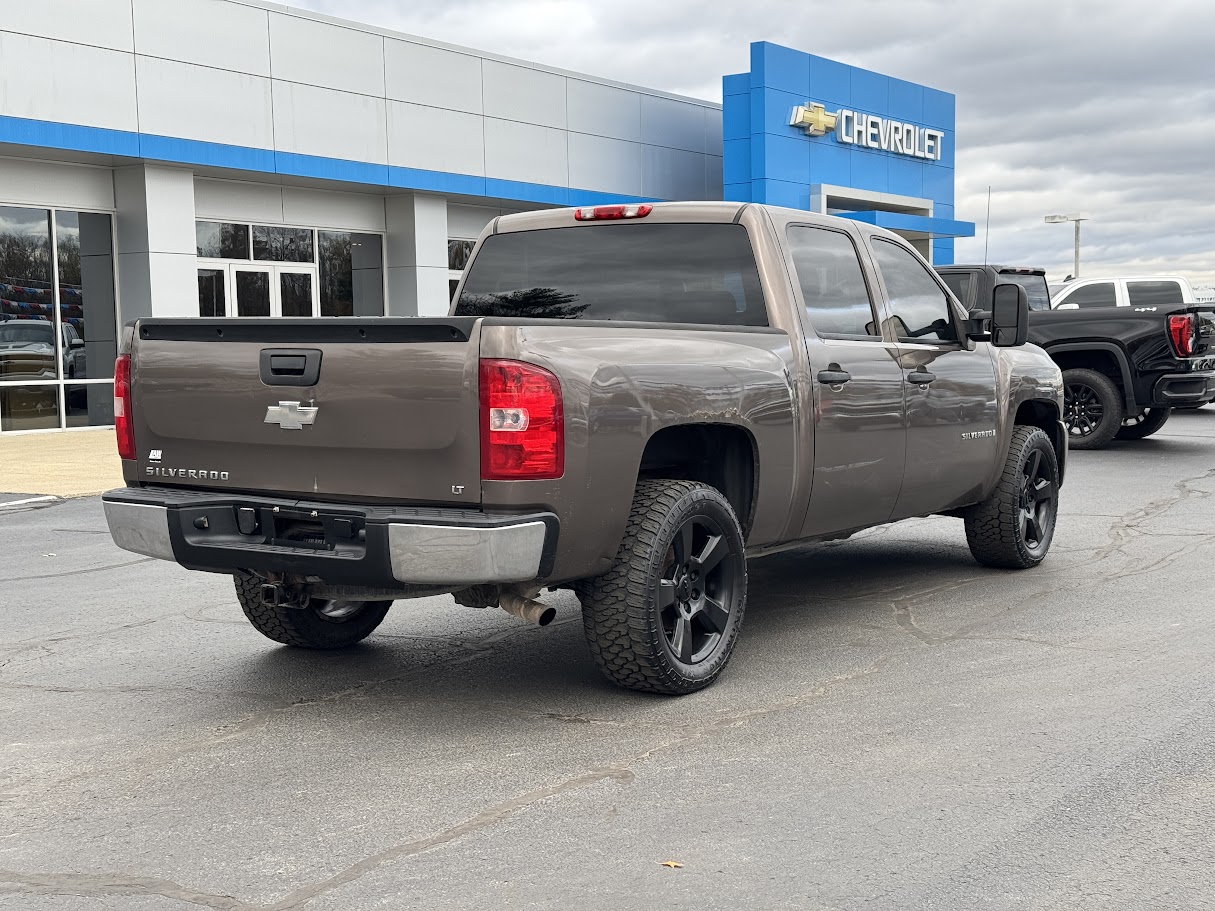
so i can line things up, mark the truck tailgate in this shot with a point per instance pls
(227, 404)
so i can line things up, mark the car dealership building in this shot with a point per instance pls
(240, 158)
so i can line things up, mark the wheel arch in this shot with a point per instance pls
(724, 456)
(1044, 415)
(1104, 357)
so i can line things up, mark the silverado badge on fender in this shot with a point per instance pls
(291, 415)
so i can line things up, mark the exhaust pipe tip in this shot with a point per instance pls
(526, 609)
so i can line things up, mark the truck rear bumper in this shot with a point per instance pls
(1184, 389)
(341, 544)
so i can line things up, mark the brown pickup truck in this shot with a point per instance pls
(626, 401)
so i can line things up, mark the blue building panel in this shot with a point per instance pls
(830, 80)
(777, 67)
(736, 161)
(942, 251)
(906, 178)
(766, 159)
(907, 100)
(871, 93)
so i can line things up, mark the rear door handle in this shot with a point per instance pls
(921, 377)
(834, 377)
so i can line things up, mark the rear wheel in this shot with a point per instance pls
(1093, 408)
(1143, 425)
(320, 623)
(665, 617)
(1013, 527)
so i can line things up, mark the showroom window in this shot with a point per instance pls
(277, 270)
(58, 336)
(458, 252)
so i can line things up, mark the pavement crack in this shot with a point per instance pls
(100, 885)
(78, 572)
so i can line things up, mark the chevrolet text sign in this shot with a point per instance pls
(869, 131)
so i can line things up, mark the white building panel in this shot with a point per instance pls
(49, 183)
(238, 201)
(671, 123)
(198, 102)
(42, 79)
(608, 165)
(215, 33)
(317, 53)
(432, 76)
(523, 94)
(520, 151)
(327, 209)
(467, 222)
(674, 174)
(100, 23)
(435, 139)
(314, 121)
(603, 110)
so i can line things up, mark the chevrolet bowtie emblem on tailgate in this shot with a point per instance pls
(291, 415)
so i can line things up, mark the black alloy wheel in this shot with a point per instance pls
(1082, 409)
(1144, 424)
(695, 587)
(1039, 502)
(1093, 407)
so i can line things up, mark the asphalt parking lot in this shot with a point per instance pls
(899, 728)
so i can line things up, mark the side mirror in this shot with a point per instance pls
(1009, 316)
(76, 343)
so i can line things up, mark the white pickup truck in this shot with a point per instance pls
(1127, 291)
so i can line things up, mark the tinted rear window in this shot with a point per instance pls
(1099, 294)
(1154, 292)
(645, 272)
(1035, 288)
(962, 285)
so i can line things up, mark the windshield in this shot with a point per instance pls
(25, 333)
(701, 273)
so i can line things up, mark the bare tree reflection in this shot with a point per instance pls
(533, 303)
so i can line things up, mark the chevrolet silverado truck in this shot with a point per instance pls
(627, 401)
(1124, 367)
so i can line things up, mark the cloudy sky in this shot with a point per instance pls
(1106, 108)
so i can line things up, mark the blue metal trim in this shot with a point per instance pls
(48, 134)
(899, 221)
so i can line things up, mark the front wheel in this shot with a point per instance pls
(665, 617)
(1143, 425)
(1093, 408)
(1013, 527)
(321, 624)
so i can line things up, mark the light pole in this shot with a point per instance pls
(1077, 217)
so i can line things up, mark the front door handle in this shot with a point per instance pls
(921, 377)
(834, 377)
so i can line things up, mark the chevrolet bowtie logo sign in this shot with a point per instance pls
(813, 118)
(291, 415)
(868, 131)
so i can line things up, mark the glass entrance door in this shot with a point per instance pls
(232, 289)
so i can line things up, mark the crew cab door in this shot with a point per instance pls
(949, 388)
(859, 434)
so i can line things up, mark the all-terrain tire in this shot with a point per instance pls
(1086, 388)
(634, 638)
(1013, 528)
(316, 625)
(1144, 425)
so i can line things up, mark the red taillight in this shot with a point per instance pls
(1183, 329)
(123, 428)
(608, 213)
(522, 422)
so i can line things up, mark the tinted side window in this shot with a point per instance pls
(1146, 294)
(1035, 288)
(1100, 294)
(832, 283)
(918, 306)
(625, 271)
(962, 284)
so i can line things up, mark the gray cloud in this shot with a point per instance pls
(1102, 107)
